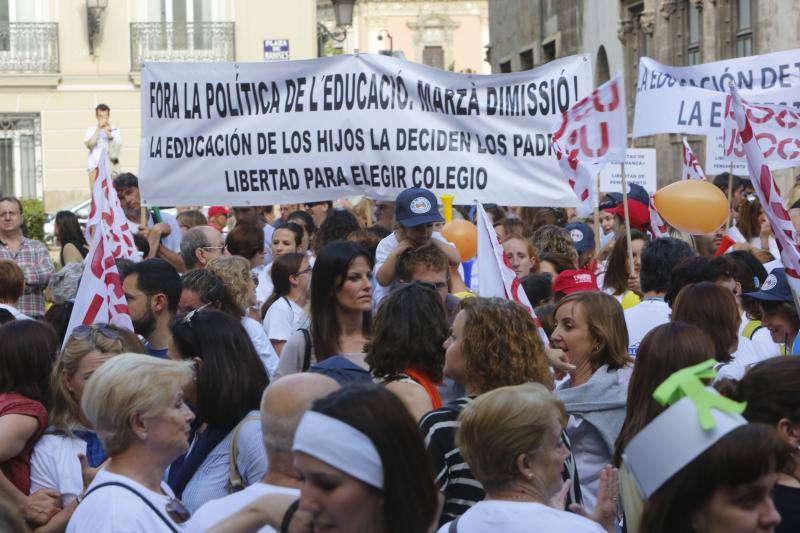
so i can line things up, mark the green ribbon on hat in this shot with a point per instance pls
(687, 383)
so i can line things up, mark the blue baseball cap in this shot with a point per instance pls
(774, 289)
(582, 235)
(415, 207)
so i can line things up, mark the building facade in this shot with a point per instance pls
(446, 34)
(52, 74)
(616, 33)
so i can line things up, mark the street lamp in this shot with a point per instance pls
(388, 36)
(343, 11)
(94, 10)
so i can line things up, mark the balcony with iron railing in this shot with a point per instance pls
(28, 47)
(181, 41)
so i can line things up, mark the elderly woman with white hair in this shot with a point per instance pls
(135, 404)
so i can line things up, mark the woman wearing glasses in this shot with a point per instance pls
(70, 452)
(135, 403)
(225, 393)
(283, 311)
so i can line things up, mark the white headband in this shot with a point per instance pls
(339, 445)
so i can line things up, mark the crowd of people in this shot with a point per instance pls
(334, 367)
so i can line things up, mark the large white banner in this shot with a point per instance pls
(691, 100)
(299, 131)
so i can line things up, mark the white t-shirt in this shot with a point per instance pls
(265, 286)
(382, 252)
(744, 357)
(261, 343)
(215, 511)
(102, 142)
(640, 319)
(55, 465)
(762, 341)
(520, 517)
(283, 318)
(173, 240)
(268, 231)
(117, 510)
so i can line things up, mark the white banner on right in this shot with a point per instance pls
(691, 100)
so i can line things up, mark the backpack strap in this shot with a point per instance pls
(235, 482)
(750, 328)
(136, 492)
(307, 349)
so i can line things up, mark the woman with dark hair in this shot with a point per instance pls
(618, 281)
(226, 394)
(554, 263)
(406, 352)
(726, 488)
(202, 288)
(285, 240)
(753, 226)
(69, 235)
(306, 223)
(341, 303)
(27, 350)
(337, 226)
(284, 311)
(590, 330)
(248, 242)
(770, 391)
(538, 288)
(664, 350)
(361, 458)
(713, 309)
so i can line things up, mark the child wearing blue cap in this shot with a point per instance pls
(416, 210)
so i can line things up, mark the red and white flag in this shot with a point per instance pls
(107, 211)
(496, 277)
(590, 134)
(776, 130)
(691, 166)
(100, 298)
(767, 190)
(658, 227)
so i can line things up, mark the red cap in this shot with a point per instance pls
(639, 213)
(570, 281)
(215, 210)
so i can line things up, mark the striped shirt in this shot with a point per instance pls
(33, 258)
(453, 475)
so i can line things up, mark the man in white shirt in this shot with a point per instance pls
(659, 257)
(282, 406)
(163, 236)
(103, 135)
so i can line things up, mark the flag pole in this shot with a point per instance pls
(627, 217)
(730, 198)
(597, 221)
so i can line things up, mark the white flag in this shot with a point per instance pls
(495, 276)
(106, 210)
(776, 131)
(591, 133)
(657, 226)
(691, 166)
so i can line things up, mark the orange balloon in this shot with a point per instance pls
(693, 206)
(464, 235)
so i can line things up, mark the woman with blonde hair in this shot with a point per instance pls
(234, 271)
(511, 439)
(69, 448)
(135, 403)
(590, 330)
(481, 360)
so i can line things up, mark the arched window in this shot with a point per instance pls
(601, 74)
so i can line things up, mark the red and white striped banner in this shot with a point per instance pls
(691, 166)
(777, 133)
(767, 191)
(107, 210)
(591, 133)
(100, 297)
(495, 275)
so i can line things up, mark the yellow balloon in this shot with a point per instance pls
(693, 206)
(464, 235)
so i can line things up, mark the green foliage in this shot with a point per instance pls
(35, 217)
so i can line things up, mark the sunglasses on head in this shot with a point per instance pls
(190, 315)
